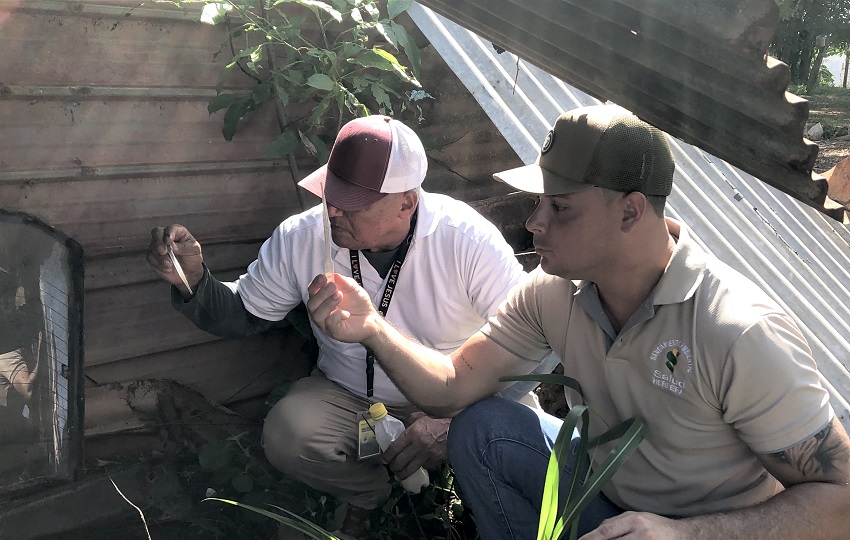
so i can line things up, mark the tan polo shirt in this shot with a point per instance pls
(717, 371)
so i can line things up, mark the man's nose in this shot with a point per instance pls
(333, 211)
(535, 223)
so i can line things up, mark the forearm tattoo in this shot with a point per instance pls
(465, 362)
(822, 455)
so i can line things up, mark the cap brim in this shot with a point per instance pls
(339, 193)
(535, 179)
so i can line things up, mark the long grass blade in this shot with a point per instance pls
(296, 522)
(559, 456)
(627, 445)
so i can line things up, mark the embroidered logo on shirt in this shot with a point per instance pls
(672, 360)
(676, 355)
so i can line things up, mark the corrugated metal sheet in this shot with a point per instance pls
(694, 68)
(801, 257)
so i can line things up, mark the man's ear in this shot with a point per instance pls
(635, 206)
(409, 201)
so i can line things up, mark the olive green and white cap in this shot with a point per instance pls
(602, 145)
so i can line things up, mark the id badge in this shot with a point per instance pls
(367, 444)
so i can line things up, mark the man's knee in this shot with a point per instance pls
(283, 439)
(472, 427)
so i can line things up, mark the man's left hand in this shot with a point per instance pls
(640, 526)
(423, 444)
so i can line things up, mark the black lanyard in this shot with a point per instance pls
(386, 297)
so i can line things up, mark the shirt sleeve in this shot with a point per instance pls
(269, 289)
(771, 388)
(217, 308)
(517, 325)
(492, 272)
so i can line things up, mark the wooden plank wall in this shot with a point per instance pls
(105, 134)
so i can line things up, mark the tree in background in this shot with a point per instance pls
(801, 23)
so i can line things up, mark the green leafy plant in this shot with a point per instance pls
(439, 513)
(234, 470)
(339, 57)
(585, 482)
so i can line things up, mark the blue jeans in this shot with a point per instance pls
(499, 450)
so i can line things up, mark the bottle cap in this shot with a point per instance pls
(377, 411)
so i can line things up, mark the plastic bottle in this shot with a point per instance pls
(387, 429)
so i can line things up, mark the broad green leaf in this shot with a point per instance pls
(282, 95)
(359, 83)
(388, 33)
(234, 113)
(382, 97)
(356, 16)
(320, 81)
(390, 57)
(351, 49)
(397, 7)
(396, 65)
(225, 475)
(243, 483)
(261, 93)
(296, 21)
(372, 10)
(215, 455)
(352, 103)
(408, 44)
(316, 117)
(322, 150)
(308, 144)
(294, 76)
(223, 101)
(284, 144)
(225, 73)
(330, 56)
(327, 8)
(340, 100)
(371, 59)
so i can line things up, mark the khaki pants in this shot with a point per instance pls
(311, 435)
(11, 363)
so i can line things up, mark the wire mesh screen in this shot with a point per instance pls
(41, 413)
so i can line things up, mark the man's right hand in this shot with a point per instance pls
(342, 309)
(187, 250)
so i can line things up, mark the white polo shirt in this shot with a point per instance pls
(716, 370)
(458, 270)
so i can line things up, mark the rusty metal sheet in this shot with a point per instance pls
(694, 68)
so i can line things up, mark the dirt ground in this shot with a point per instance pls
(831, 107)
(830, 152)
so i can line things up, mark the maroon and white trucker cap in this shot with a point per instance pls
(371, 157)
